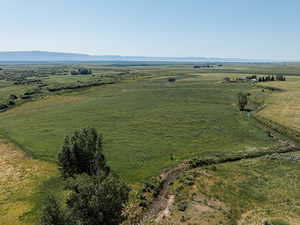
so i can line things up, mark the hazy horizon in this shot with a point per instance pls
(212, 29)
(111, 55)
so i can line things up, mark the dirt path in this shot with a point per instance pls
(18, 177)
(166, 212)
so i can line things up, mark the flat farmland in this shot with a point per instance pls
(147, 124)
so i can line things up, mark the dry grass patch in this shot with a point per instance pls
(19, 177)
(284, 107)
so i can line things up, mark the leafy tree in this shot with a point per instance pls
(82, 153)
(52, 214)
(96, 196)
(97, 200)
(242, 101)
(85, 71)
(74, 72)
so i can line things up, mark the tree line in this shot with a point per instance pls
(272, 78)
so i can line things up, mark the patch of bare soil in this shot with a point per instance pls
(166, 211)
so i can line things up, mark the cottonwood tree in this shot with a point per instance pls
(96, 196)
(97, 200)
(82, 153)
(242, 101)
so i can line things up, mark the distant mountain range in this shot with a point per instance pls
(44, 56)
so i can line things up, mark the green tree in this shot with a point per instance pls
(97, 200)
(84, 71)
(82, 153)
(242, 101)
(96, 196)
(74, 72)
(51, 213)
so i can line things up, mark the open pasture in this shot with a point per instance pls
(148, 124)
(248, 192)
(283, 106)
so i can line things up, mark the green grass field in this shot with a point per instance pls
(148, 124)
(143, 122)
(248, 192)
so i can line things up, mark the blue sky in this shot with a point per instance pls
(261, 29)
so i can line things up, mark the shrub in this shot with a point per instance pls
(13, 97)
(3, 106)
(25, 97)
(51, 213)
(93, 200)
(182, 206)
(172, 79)
(276, 222)
(10, 102)
(97, 200)
(188, 180)
(32, 92)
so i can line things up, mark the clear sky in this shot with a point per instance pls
(262, 29)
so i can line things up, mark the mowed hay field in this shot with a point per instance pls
(147, 124)
(283, 106)
(248, 192)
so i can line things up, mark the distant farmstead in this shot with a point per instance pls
(252, 79)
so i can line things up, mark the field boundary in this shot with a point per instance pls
(25, 150)
(272, 125)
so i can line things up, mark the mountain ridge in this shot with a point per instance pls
(46, 56)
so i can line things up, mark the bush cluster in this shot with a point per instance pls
(77, 86)
(10, 101)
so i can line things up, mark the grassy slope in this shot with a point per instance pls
(20, 178)
(143, 122)
(284, 107)
(248, 192)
